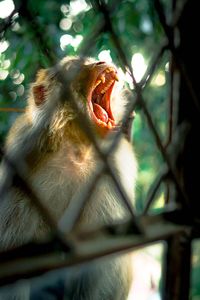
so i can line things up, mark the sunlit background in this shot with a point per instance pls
(66, 26)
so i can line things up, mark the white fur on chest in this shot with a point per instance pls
(60, 178)
(68, 172)
(60, 181)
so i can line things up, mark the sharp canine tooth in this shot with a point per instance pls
(97, 83)
(102, 78)
(109, 125)
(107, 86)
(116, 77)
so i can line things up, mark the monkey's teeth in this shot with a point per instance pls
(102, 78)
(116, 77)
(113, 71)
(110, 69)
(109, 125)
(97, 83)
(110, 82)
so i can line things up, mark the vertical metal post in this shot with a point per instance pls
(177, 268)
(189, 104)
(178, 252)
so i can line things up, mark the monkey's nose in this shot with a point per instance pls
(100, 63)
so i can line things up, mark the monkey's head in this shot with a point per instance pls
(87, 83)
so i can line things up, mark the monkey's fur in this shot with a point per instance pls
(61, 161)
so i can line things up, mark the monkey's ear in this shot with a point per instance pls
(39, 93)
(39, 90)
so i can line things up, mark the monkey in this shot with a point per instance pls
(62, 160)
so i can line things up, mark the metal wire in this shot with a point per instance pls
(73, 212)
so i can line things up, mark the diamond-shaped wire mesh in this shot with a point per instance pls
(133, 233)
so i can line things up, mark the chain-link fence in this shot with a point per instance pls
(177, 221)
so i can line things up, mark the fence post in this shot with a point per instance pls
(177, 268)
(189, 103)
(178, 255)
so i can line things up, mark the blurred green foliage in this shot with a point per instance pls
(62, 25)
(195, 285)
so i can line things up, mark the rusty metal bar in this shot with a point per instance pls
(176, 227)
(177, 264)
(35, 259)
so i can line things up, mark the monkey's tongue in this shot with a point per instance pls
(100, 112)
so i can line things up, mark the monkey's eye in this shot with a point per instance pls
(99, 99)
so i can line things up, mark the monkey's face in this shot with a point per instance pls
(94, 82)
(91, 86)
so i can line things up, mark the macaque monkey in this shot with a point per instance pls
(63, 160)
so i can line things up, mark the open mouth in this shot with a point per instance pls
(100, 96)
